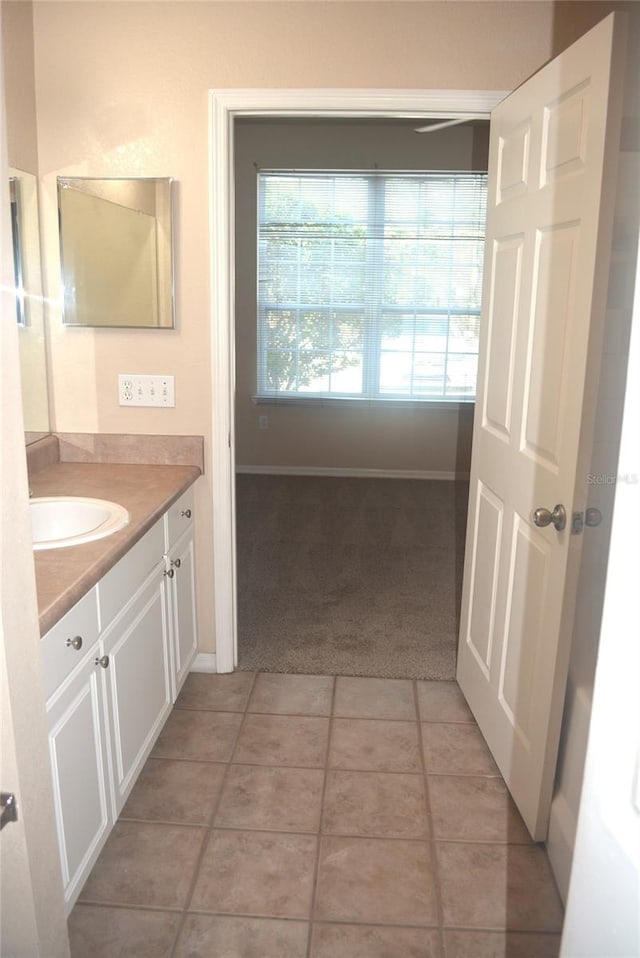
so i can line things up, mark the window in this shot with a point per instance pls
(369, 284)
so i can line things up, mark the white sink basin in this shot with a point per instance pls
(59, 521)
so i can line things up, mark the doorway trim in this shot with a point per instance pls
(224, 107)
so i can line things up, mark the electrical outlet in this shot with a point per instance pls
(263, 422)
(146, 390)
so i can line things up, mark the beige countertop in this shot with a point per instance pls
(63, 576)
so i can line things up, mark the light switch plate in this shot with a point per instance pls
(136, 390)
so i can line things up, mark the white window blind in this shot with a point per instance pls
(369, 284)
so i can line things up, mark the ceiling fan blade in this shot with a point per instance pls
(455, 121)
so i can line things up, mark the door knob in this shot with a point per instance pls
(542, 517)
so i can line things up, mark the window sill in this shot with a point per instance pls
(451, 405)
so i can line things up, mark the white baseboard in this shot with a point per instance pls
(204, 662)
(340, 472)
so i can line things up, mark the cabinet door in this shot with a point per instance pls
(78, 749)
(138, 680)
(182, 600)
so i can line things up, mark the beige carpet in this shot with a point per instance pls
(349, 576)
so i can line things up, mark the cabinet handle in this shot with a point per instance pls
(176, 562)
(170, 573)
(186, 513)
(102, 661)
(75, 643)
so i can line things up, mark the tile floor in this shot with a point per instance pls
(293, 816)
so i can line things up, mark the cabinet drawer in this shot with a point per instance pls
(179, 517)
(118, 585)
(59, 657)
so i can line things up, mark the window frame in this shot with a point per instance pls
(371, 392)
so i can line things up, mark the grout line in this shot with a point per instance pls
(431, 843)
(158, 909)
(316, 877)
(125, 906)
(352, 836)
(209, 827)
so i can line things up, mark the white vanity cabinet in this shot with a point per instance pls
(114, 665)
(78, 741)
(181, 586)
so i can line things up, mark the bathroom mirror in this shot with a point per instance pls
(25, 230)
(116, 251)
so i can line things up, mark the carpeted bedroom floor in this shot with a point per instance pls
(349, 576)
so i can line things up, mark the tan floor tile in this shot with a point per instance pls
(283, 740)
(201, 736)
(498, 886)
(274, 799)
(374, 698)
(496, 944)
(264, 874)
(370, 941)
(470, 809)
(456, 750)
(121, 932)
(375, 804)
(292, 694)
(222, 693)
(376, 881)
(172, 791)
(442, 702)
(205, 936)
(371, 745)
(145, 864)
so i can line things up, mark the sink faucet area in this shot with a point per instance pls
(59, 521)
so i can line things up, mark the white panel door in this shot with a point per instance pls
(545, 273)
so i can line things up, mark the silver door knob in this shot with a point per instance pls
(75, 643)
(176, 562)
(103, 661)
(542, 517)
